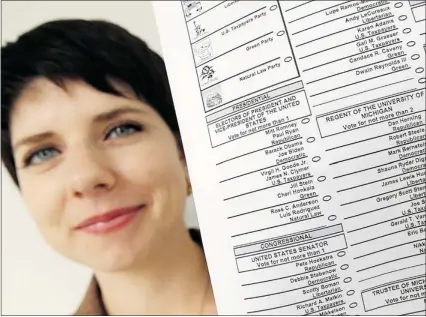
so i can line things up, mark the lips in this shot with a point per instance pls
(109, 221)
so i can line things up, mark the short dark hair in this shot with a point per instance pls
(93, 51)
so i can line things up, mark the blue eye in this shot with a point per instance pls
(124, 130)
(41, 156)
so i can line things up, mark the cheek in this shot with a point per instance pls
(43, 201)
(155, 166)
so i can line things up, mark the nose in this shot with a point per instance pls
(90, 173)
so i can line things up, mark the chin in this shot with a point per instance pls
(119, 256)
(116, 251)
(114, 261)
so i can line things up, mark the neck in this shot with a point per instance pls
(170, 280)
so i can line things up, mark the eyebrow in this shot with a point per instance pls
(107, 116)
(33, 139)
(103, 117)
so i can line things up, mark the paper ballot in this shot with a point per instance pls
(303, 124)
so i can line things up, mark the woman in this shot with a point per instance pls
(90, 137)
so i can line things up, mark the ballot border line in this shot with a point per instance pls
(353, 27)
(290, 290)
(392, 282)
(381, 222)
(276, 226)
(346, 57)
(289, 40)
(318, 11)
(367, 102)
(350, 70)
(273, 126)
(404, 268)
(385, 235)
(258, 170)
(269, 187)
(284, 224)
(196, 72)
(194, 62)
(242, 72)
(292, 304)
(369, 168)
(299, 90)
(357, 40)
(374, 152)
(225, 26)
(388, 284)
(381, 208)
(299, 5)
(365, 198)
(362, 92)
(414, 8)
(328, 308)
(387, 305)
(268, 147)
(399, 302)
(286, 80)
(289, 276)
(385, 249)
(264, 102)
(279, 264)
(422, 2)
(379, 180)
(282, 247)
(286, 236)
(240, 99)
(361, 81)
(344, 16)
(368, 125)
(414, 312)
(374, 137)
(269, 207)
(233, 49)
(187, 21)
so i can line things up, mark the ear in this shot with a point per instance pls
(185, 170)
(181, 152)
(183, 161)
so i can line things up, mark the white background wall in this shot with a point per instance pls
(35, 279)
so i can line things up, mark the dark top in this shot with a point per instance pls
(92, 303)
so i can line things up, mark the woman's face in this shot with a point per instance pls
(101, 175)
